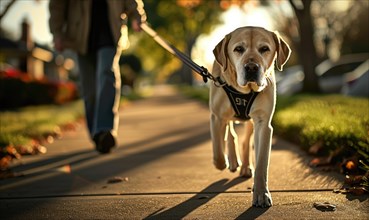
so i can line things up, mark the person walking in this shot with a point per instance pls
(96, 30)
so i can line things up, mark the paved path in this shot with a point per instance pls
(162, 170)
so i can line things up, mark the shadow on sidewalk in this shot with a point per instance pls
(53, 163)
(252, 213)
(183, 209)
(92, 167)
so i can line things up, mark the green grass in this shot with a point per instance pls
(335, 121)
(18, 127)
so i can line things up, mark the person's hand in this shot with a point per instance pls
(59, 44)
(136, 25)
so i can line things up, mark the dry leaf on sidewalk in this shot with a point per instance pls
(117, 179)
(325, 206)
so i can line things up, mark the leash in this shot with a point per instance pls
(241, 103)
(183, 57)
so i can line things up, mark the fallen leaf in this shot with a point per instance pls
(40, 149)
(115, 179)
(315, 148)
(321, 161)
(353, 180)
(50, 139)
(26, 150)
(357, 191)
(350, 165)
(12, 151)
(65, 169)
(325, 206)
(4, 162)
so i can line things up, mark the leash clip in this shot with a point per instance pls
(218, 82)
(205, 74)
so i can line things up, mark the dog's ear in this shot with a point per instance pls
(221, 53)
(283, 51)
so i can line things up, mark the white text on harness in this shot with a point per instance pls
(240, 101)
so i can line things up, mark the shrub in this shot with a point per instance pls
(18, 91)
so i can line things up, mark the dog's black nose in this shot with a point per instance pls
(252, 73)
(251, 68)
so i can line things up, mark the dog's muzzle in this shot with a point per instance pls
(253, 73)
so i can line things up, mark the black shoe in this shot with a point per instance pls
(104, 142)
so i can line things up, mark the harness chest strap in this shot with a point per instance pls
(241, 103)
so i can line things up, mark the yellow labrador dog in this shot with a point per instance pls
(245, 60)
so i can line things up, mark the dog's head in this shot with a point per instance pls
(247, 56)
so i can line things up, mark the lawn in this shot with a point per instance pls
(332, 121)
(23, 130)
(18, 127)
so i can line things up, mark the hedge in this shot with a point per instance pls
(19, 91)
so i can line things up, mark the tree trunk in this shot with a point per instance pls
(307, 51)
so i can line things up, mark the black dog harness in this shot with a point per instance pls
(241, 103)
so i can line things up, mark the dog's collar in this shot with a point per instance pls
(241, 103)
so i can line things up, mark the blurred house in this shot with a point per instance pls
(34, 59)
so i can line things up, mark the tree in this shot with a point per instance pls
(180, 22)
(319, 30)
(5, 6)
(306, 48)
(337, 26)
(8, 4)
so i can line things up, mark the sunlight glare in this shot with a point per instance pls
(233, 18)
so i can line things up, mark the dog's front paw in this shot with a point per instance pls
(246, 172)
(262, 199)
(233, 165)
(220, 163)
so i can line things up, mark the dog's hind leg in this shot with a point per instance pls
(246, 158)
(232, 144)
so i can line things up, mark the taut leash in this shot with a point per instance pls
(180, 55)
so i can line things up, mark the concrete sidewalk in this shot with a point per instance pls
(162, 169)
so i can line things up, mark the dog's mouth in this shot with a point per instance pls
(252, 77)
(254, 86)
(258, 82)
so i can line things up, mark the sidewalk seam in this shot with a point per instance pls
(160, 193)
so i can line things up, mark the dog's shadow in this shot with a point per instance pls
(181, 210)
(252, 213)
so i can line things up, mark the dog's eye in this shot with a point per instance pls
(264, 49)
(239, 49)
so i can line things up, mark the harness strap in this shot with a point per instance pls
(241, 103)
